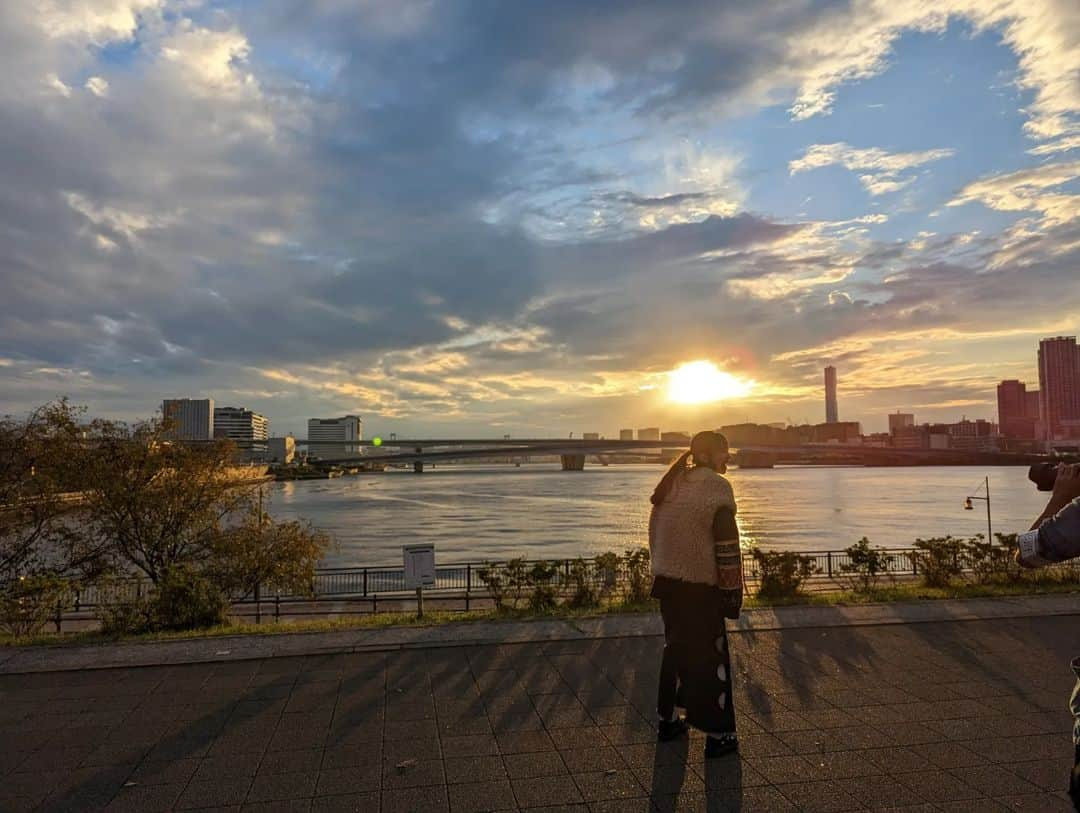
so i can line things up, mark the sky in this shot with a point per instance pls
(488, 218)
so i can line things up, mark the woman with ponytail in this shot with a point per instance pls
(697, 576)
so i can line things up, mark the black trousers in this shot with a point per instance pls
(695, 670)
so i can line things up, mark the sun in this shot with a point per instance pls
(700, 382)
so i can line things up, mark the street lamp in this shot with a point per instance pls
(969, 507)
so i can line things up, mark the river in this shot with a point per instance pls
(472, 513)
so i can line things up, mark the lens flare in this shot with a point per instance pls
(700, 382)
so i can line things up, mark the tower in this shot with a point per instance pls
(832, 415)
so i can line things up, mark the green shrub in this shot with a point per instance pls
(517, 580)
(939, 560)
(494, 581)
(544, 594)
(607, 568)
(28, 603)
(781, 572)
(585, 592)
(992, 561)
(186, 600)
(865, 566)
(182, 600)
(638, 575)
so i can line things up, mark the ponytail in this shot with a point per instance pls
(663, 488)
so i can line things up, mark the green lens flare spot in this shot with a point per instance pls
(377, 441)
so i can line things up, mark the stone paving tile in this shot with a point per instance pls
(349, 803)
(610, 784)
(825, 797)
(921, 717)
(432, 799)
(533, 765)
(217, 792)
(540, 792)
(481, 797)
(474, 769)
(355, 779)
(283, 786)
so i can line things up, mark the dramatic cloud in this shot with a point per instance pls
(1028, 190)
(460, 216)
(879, 171)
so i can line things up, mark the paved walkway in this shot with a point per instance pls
(938, 715)
(234, 648)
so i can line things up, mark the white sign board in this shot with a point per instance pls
(419, 566)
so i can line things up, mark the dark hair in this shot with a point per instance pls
(702, 442)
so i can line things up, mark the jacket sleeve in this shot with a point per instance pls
(1059, 535)
(729, 575)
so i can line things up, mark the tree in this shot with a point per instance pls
(260, 552)
(42, 555)
(39, 483)
(158, 504)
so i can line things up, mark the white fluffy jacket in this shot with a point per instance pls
(681, 542)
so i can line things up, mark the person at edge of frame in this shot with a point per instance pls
(1055, 537)
(698, 579)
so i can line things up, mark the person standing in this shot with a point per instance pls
(697, 577)
(1055, 537)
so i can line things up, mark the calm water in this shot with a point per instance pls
(475, 513)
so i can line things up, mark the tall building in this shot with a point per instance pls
(590, 436)
(649, 433)
(1059, 387)
(193, 418)
(626, 434)
(248, 430)
(335, 434)
(1018, 412)
(900, 420)
(832, 415)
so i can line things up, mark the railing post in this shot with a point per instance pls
(277, 606)
(78, 599)
(258, 603)
(59, 616)
(468, 585)
(365, 581)
(829, 563)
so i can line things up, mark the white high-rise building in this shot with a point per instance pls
(193, 418)
(248, 430)
(335, 434)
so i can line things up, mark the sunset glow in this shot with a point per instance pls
(700, 382)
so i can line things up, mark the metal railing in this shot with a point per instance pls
(465, 582)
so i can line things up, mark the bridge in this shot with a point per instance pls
(572, 453)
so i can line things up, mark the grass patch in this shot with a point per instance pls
(889, 593)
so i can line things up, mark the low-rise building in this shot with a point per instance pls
(281, 450)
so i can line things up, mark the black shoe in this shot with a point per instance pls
(721, 746)
(669, 730)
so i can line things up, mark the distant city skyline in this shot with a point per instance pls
(514, 218)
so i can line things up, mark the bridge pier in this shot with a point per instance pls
(573, 462)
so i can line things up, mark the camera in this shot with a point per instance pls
(1043, 475)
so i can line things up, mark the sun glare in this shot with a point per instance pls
(699, 382)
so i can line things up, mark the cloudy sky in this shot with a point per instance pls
(517, 217)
